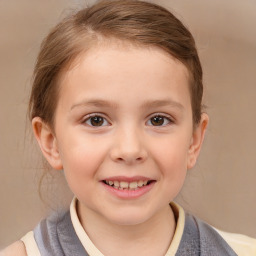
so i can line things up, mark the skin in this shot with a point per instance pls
(127, 86)
(17, 249)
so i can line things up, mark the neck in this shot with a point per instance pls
(113, 239)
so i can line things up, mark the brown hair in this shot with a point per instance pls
(138, 22)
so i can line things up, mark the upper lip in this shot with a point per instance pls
(128, 179)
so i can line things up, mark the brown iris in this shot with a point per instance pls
(96, 120)
(157, 120)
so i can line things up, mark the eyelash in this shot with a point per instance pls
(157, 115)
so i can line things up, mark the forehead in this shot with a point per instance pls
(121, 67)
(108, 47)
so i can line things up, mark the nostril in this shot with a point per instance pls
(128, 155)
(129, 160)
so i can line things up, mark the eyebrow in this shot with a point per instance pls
(162, 103)
(109, 104)
(95, 103)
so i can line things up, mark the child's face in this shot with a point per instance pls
(124, 116)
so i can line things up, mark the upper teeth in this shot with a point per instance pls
(126, 185)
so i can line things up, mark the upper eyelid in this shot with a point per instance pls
(88, 116)
(171, 118)
(85, 117)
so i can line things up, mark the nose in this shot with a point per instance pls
(128, 147)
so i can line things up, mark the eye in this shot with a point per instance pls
(96, 120)
(159, 120)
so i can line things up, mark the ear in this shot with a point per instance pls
(47, 142)
(197, 140)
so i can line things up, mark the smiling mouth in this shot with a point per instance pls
(124, 185)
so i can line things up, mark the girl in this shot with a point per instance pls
(116, 104)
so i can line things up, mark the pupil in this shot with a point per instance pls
(96, 121)
(157, 120)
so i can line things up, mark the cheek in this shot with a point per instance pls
(171, 154)
(81, 159)
(80, 168)
(171, 157)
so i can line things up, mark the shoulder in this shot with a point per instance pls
(229, 243)
(17, 249)
(241, 244)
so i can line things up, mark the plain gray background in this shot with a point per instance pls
(220, 189)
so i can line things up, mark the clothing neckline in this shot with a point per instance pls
(94, 251)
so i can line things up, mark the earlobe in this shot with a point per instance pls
(197, 140)
(47, 142)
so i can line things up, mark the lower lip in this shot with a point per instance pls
(129, 194)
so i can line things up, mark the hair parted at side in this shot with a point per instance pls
(138, 22)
